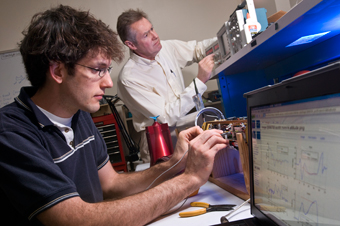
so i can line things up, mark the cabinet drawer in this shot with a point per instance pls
(115, 157)
(110, 127)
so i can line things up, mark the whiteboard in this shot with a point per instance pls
(12, 76)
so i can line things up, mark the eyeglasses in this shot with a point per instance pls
(101, 72)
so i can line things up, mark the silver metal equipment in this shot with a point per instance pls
(208, 114)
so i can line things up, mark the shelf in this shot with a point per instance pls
(268, 59)
(270, 47)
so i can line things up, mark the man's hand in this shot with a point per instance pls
(202, 146)
(201, 155)
(182, 144)
(205, 67)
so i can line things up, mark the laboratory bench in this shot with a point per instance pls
(209, 193)
(268, 59)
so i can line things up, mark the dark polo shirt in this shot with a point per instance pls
(37, 167)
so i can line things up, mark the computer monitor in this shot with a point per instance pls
(294, 143)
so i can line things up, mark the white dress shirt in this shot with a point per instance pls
(156, 87)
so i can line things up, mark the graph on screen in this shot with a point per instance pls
(296, 153)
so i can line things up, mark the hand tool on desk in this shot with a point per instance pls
(207, 208)
(224, 218)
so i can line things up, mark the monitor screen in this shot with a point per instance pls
(296, 160)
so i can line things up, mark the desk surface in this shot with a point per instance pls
(211, 194)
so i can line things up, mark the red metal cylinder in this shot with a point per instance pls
(159, 142)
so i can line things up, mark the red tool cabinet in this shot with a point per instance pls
(109, 129)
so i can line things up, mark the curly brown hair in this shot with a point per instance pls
(66, 35)
(124, 22)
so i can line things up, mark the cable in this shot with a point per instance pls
(240, 6)
(166, 213)
(133, 148)
(164, 173)
(166, 170)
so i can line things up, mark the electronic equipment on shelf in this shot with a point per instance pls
(232, 37)
(214, 48)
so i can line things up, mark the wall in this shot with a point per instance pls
(172, 19)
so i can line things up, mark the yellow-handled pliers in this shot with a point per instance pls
(207, 208)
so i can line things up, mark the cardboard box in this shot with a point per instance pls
(276, 16)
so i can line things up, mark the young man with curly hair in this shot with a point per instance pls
(54, 165)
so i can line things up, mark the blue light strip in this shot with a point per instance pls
(307, 39)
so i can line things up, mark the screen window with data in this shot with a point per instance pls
(296, 160)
